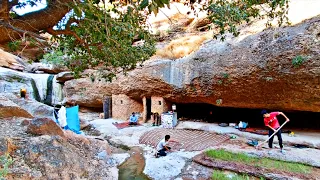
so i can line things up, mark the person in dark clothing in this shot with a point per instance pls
(209, 118)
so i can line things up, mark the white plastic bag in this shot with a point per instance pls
(62, 116)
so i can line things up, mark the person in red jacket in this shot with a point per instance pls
(271, 121)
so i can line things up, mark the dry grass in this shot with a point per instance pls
(182, 47)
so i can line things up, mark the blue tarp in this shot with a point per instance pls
(73, 119)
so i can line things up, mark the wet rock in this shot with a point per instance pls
(64, 76)
(44, 126)
(12, 81)
(10, 109)
(47, 68)
(156, 166)
(35, 108)
(40, 87)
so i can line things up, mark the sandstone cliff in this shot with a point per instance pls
(275, 69)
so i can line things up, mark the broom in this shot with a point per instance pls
(259, 145)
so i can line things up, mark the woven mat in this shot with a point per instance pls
(190, 140)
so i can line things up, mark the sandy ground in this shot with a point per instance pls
(179, 165)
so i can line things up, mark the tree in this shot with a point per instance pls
(102, 33)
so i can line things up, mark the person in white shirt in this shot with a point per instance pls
(162, 146)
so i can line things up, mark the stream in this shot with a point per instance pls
(132, 168)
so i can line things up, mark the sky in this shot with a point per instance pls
(27, 9)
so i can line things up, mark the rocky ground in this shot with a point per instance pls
(179, 164)
(106, 152)
(38, 155)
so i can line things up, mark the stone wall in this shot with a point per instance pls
(144, 113)
(160, 105)
(123, 106)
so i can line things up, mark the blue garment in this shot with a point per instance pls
(133, 118)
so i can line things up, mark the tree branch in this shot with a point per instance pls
(20, 31)
(65, 32)
(13, 3)
(36, 21)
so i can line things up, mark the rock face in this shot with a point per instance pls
(44, 126)
(274, 69)
(11, 61)
(42, 87)
(33, 107)
(54, 157)
(64, 76)
(46, 68)
(10, 109)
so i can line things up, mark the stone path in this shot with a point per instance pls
(189, 140)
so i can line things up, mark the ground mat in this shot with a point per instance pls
(124, 125)
(190, 140)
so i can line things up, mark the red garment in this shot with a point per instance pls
(272, 120)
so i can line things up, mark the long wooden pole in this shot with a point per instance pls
(272, 135)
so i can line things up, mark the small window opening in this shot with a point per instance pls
(159, 102)
(121, 102)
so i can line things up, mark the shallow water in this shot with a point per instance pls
(132, 169)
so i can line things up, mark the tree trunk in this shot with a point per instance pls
(34, 21)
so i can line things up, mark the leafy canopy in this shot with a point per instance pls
(101, 34)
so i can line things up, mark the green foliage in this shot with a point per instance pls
(298, 60)
(219, 102)
(14, 45)
(103, 37)
(55, 57)
(227, 15)
(269, 79)
(5, 162)
(23, 4)
(225, 75)
(219, 175)
(224, 79)
(259, 162)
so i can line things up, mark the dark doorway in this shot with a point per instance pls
(201, 111)
(107, 108)
(148, 103)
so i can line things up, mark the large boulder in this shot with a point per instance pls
(64, 76)
(33, 107)
(44, 126)
(9, 109)
(41, 87)
(54, 157)
(46, 68)
(274, 69)
(11, 61)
